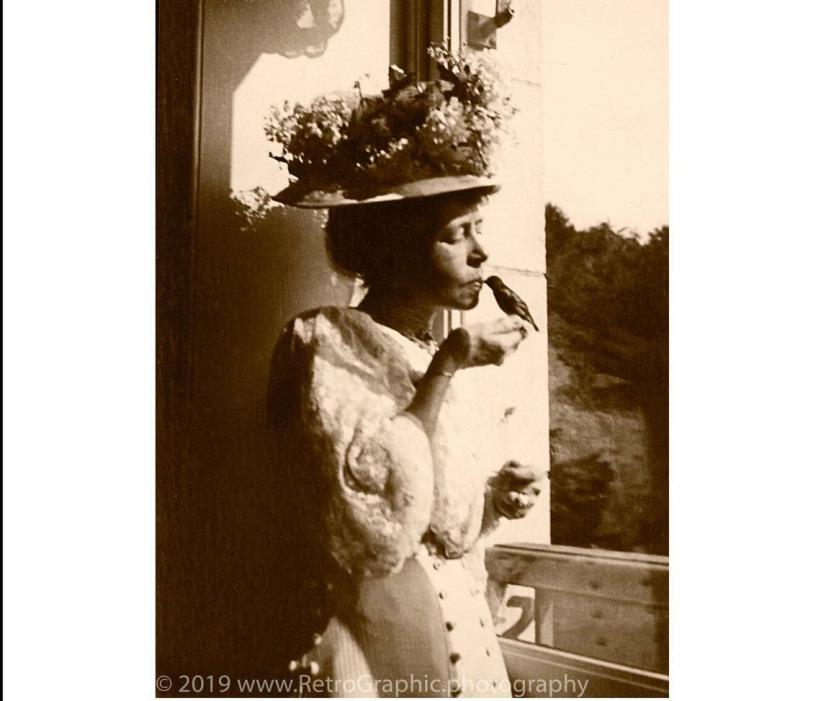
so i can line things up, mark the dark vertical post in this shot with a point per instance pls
(177, 120)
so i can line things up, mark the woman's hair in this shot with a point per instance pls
(379, 241)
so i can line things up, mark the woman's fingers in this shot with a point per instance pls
(511, 327)
(513, 504)
(504, 324)
(514, 475)
(492, 342)
(508, 343)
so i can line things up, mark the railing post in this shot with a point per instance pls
(544, 616)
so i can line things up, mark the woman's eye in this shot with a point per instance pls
(454, 236)
(474, 229)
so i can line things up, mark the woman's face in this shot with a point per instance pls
(453, 278)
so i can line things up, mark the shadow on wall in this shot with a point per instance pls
(222, 565)
(250, 280)
(288, 27)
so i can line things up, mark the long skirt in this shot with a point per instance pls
(424, 631)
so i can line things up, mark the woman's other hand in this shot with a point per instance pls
(488, 343)
(515, 488)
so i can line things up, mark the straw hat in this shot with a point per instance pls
(415, 139)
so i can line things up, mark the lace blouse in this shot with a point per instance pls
(343, 382)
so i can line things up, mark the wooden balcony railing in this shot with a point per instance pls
(600, 617)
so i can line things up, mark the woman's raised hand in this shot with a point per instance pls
(469, 346)
(488, 343)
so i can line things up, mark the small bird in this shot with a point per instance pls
(509, 302)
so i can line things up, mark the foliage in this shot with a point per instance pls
(605, 281)
(410, 131)
(607, 316)
(578, 491)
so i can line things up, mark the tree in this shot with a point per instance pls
(608, 314)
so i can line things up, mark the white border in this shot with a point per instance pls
(78, 396)
(744, 348)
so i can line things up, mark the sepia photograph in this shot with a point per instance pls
(347, 352)
(412, 302)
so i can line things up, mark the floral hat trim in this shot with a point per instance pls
(412, 140)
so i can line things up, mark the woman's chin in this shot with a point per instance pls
(462, 298)
(466, 303)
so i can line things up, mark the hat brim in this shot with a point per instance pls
(295, 196)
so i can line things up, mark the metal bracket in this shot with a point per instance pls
(481, 29)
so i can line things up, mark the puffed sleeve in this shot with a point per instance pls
(348, 429)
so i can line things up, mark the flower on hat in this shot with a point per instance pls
(411, 131)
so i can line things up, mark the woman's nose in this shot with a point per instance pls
(478, 255)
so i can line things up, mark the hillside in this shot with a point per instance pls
(607, 315)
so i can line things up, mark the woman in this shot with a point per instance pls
(392, 489)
